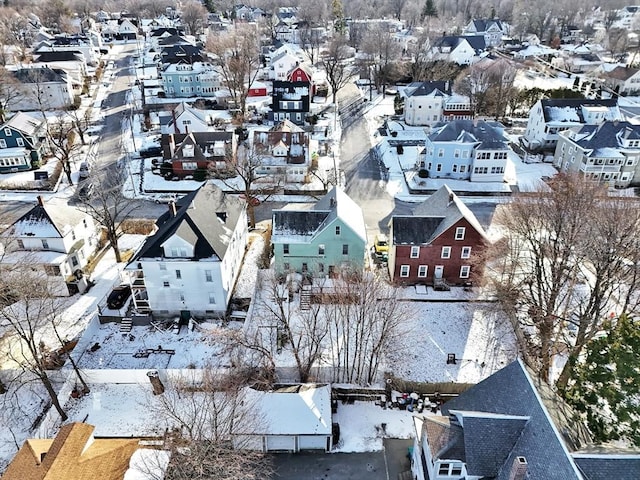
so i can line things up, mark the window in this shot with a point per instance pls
(404, 271)
(207, 276)
(189, 165)
(20, 244)
(441, 152)
(443, 469)
(456, 470)
(463, 168)
(178, 274)
(305, 267)
(454, 168)
(165, 284)
(422, 271)
(45, 244)
(464, 271)
(466, 252)
(456, 153)
(439, 167)
(320, 249)
(163, 266)
(321, 267)
(285, 248)
(337, 229)
(20, 142)
(345, 249)
(460, 233)
(415, 252)
(446, 252)
(74, 261)
(212, 298)
(178, 252)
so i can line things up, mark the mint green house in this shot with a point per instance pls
(321, 238)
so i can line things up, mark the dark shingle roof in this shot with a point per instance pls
(513, 391)
(59, 56)
(411, 230)
(606, 135)
(420, 89)
(40, 74)
(470, 131)
(293, 222)
(551, 105)
(609, 466)
(206, 218)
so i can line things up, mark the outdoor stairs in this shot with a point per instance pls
(305, 297)
(126, 325)
(405, 475)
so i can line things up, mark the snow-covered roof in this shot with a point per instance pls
(48, 221)
(295, 410)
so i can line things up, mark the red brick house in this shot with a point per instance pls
(435, 244)
(204, 151)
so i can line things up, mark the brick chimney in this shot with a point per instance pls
(40, 200)
(518, 469)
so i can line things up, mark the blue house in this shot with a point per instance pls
(196, 79)
(466, 150)
(22, 142)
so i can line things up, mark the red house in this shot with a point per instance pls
(301, 73)
(434, 245)
(258, 90)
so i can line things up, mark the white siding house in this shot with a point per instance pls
(57, 240)
(190, 265)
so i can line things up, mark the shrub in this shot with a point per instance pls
(200, 175)
(422, 173)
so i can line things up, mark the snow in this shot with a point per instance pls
(147, 464)
(361, 426)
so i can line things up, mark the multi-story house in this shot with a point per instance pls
(205, 152)
(284, 150)
(550, 116)
(608, 152)
(624, 80)
(23, 141)
(72, 62)
(55, 240)
(428, 103)
(320, 239)
(463, 50)
(282, 63)
(492, 29)
(191, 80)
(512, 426)
(77, 43)
(291, 101)
(42, 88)
(185, 119)
(466, 150)
(190, 264)
(183, 52)
(627, 17)
(435, 243)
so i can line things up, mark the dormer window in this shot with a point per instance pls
(178, 252)
(188, 151)
(7, 132)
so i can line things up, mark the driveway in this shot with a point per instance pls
(330, 466)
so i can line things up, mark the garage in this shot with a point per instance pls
(281, 443)
(312, 442)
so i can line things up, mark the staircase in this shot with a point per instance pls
(126, 325)
(305, 297)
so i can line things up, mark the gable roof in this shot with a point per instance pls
(206, 218)
(40, 74)
(477, 42)
(622, 73)
(570, 109)
(606, 466)
(59, 56)
(546, 437)
(483, 24)
(305, 221)
(25, 123)
(432, 218)
(606, 139)
(421, 89)
(47, 221)
(73, 454)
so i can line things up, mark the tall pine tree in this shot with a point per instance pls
(429, 10)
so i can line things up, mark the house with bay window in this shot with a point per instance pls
(435, 244)
(550, 116)
(198, 79)
(608, 152)
(188, 153)
(473, 150)
(190, 264)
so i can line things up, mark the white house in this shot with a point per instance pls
(627, 18)
(57, 240)
(549, 116)
(293, 418)
(185, 119)
(190, 265)
(625, 80)
(43, 87)
(284, 149)
(427, 103)
(463, 50)
(608, 152)
(492, 29)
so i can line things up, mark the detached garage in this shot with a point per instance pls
(296, 417)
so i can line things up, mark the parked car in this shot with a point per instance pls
(151, 152)
(118, 297)
(381, 244)
(83, 171)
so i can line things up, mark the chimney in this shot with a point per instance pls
(518, 469)
(154, 378)
(450, 198)
(172, 208)
(175, 122)
(40, 200)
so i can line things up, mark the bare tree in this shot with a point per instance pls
(560, 263)
(381, 53)
(366, 321)
(62, 138)
(81, 121)
(108, 207)
(336, 62)
(10, 92)
(13, 35)
(311, 40)
(193, 16)
(236, 54)
(255, 183)
(210, 418)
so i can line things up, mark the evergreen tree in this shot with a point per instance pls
(429, 10)
(606, 386)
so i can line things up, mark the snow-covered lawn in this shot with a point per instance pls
(361, 426)
(476, 332)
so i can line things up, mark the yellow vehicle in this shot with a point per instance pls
(381, 244)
